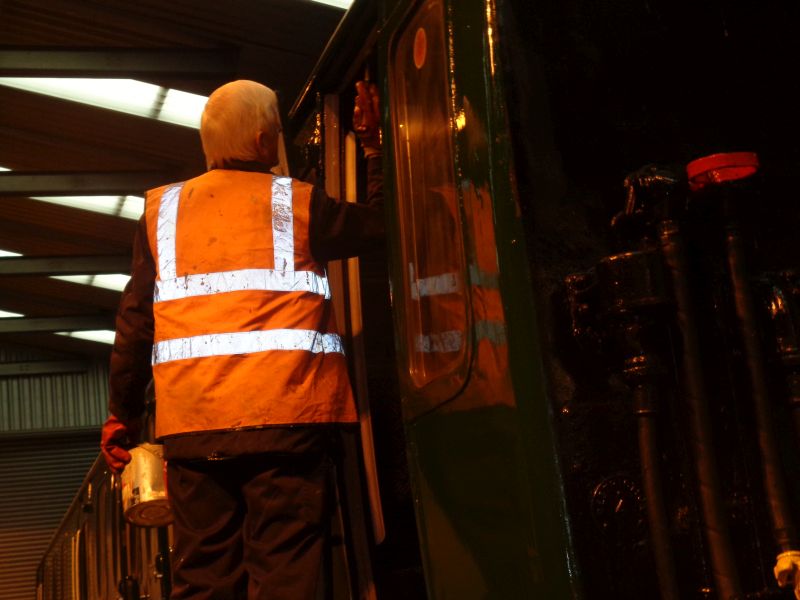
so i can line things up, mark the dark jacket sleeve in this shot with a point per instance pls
(341, 229)
(130, 369)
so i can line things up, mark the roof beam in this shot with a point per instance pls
(48, 297)
(87, 183)
(43, 367)
(64, 265)
(64, 345)
(118, 62)
(50, 324)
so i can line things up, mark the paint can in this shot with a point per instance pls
(144, 487)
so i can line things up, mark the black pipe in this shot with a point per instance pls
(774, 484)
(633, 296)
(723, 565)
(644, 405)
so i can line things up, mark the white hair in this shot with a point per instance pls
(234, 115)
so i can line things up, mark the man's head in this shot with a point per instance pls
(241, 122)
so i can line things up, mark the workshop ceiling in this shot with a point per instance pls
(64, 150)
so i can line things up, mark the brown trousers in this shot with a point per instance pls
(249, 527)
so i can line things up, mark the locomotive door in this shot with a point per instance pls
(478, 428)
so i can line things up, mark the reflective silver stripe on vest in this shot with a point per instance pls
(246, 342)
(282, 223)
(445, 341)
(451, 341)
(202, 284)
(165, 230)
(482, 278)
(493, 331)
(436, 285)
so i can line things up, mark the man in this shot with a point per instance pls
(229, 292)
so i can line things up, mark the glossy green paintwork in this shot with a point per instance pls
(484, 468)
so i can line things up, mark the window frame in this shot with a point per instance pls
(442, 387)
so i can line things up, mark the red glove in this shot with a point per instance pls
(366, 115)
(117, 436)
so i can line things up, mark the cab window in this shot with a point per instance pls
(434, 294)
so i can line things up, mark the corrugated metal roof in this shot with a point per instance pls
(276, 42)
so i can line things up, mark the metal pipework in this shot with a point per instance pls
(774, 484)
(620, 305)
(723, 565)
(656, 198)
(635, 298)
(726, 179)
(645, 405)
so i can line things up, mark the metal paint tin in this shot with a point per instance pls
(144, 489)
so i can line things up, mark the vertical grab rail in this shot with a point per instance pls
(333, 144)
(359, 358)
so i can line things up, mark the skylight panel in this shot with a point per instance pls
(116, 281)
(128, 207)
(124, 95)
(345, 4)
(182, 108)
(104, 336)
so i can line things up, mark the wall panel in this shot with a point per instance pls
(41, 474)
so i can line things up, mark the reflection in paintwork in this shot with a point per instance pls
(435, 295)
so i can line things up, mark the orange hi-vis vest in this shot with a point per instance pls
(245, 334)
